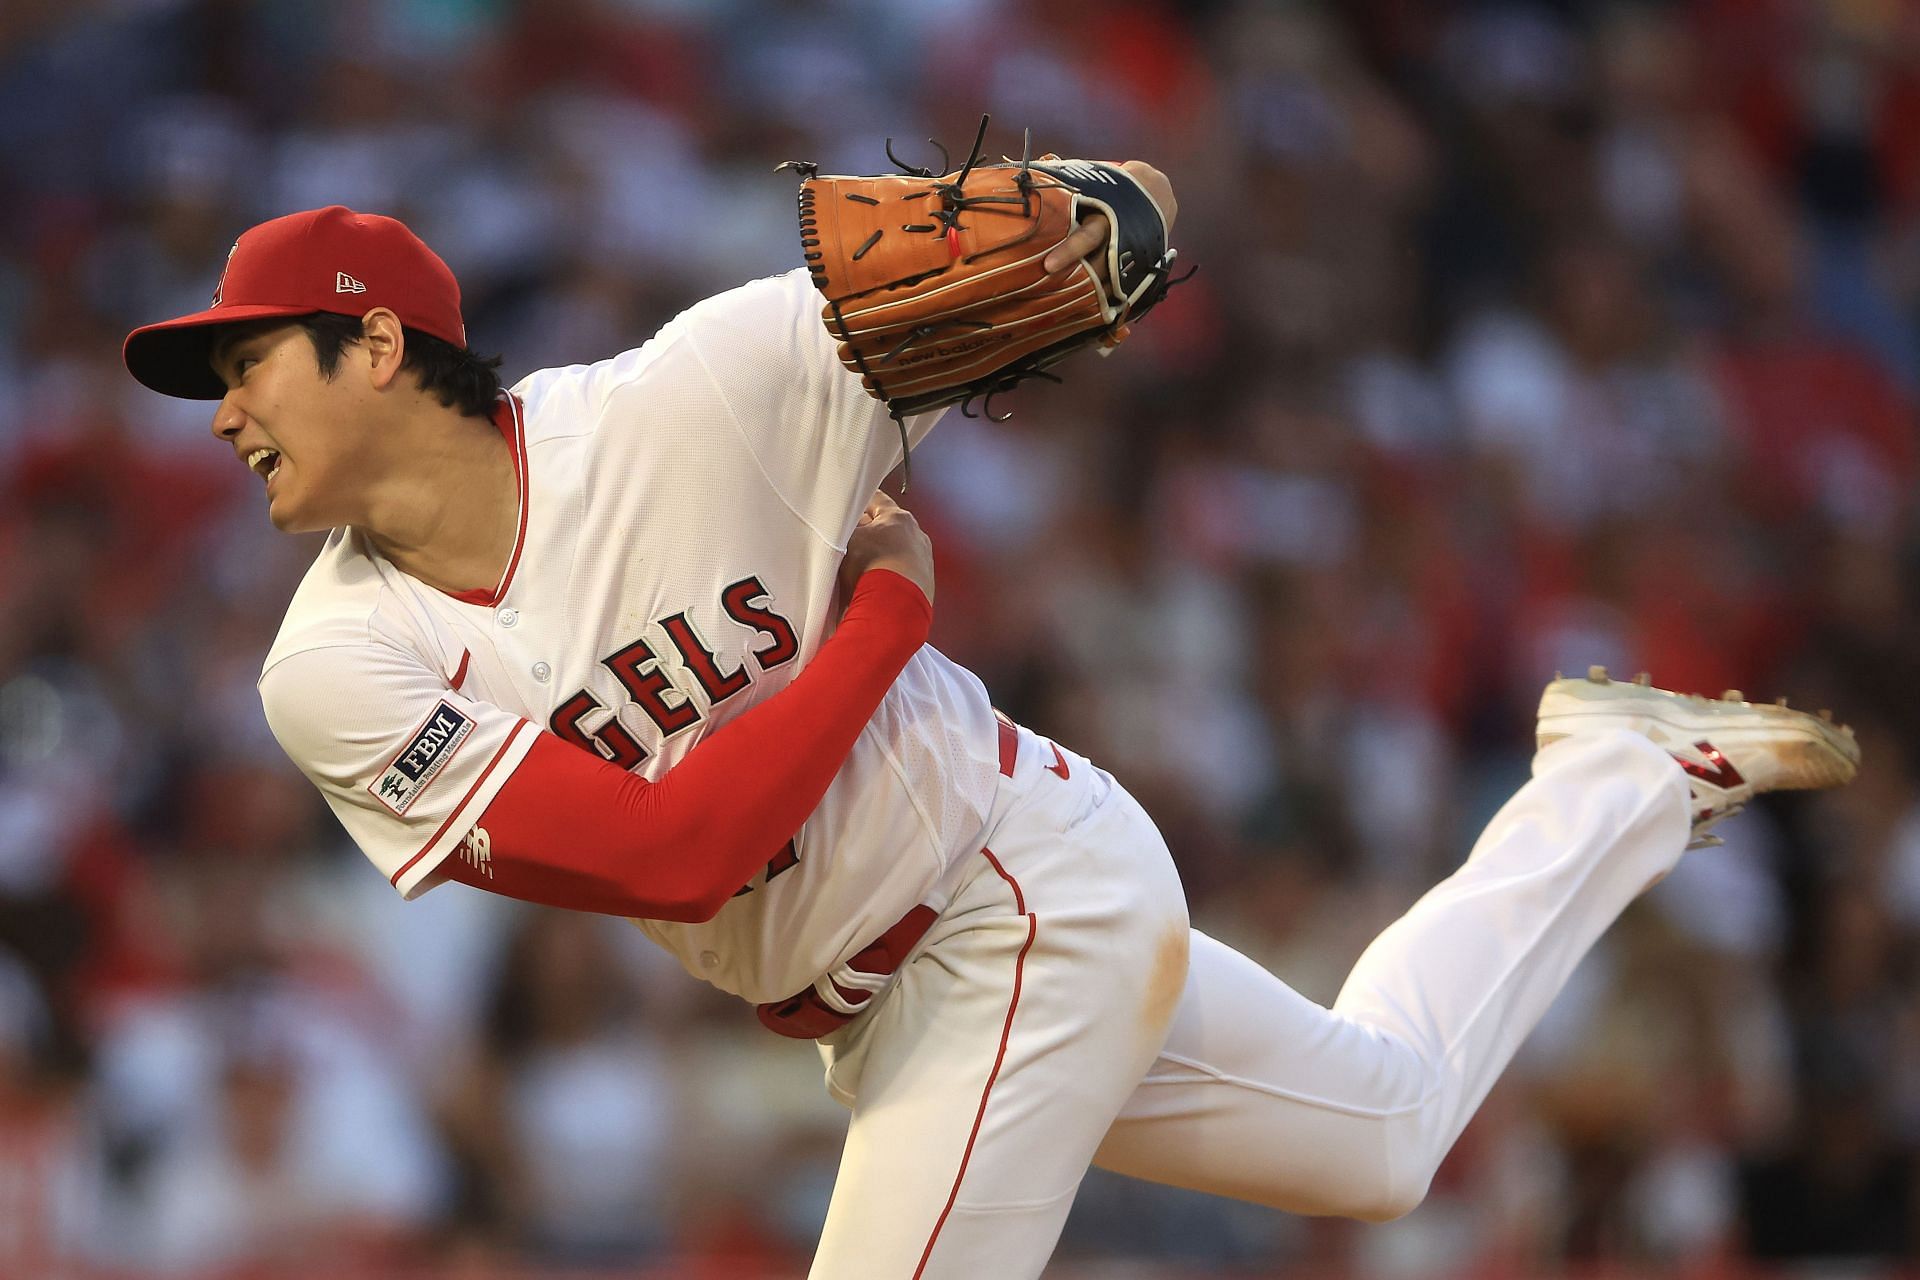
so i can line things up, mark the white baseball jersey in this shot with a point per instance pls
(684, 508)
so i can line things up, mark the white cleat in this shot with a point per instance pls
(1731, 750)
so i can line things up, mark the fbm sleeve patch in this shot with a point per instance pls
(425, 755)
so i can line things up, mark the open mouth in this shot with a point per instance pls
(265, 463)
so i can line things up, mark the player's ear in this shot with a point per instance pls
(385, 342)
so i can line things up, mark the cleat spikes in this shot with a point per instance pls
(1597, 674)
(1780, 701)
(1644, 680)
(1559, 675)
(1733, 695)
(1826, 713)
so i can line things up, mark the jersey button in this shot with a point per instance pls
(542, 672)
(708, 959)
(507, 617)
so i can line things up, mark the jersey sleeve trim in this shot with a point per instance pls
(416, 869)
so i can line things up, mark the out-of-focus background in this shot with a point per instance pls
(1527, 336)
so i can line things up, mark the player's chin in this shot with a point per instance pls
(288, 516)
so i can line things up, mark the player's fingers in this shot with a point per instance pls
(1090, 235)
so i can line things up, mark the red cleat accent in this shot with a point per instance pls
(1718, 770)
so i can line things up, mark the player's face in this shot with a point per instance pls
(295, 429)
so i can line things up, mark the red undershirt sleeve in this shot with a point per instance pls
(571, 830)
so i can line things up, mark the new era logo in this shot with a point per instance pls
(344, 283)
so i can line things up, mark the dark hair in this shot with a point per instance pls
(456, 376)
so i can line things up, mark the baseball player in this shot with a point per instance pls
(638, 637)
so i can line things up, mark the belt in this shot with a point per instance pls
(808, 1015)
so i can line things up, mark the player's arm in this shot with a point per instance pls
(412, 767)
(570, 830)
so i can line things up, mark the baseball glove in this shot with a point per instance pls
(935, 286)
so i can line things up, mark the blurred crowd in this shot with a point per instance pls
(1527, 336)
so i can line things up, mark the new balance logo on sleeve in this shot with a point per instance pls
(477, 851)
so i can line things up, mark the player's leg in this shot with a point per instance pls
(1263, 1095)
(984, 1079)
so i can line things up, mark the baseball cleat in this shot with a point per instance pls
(1732, 750)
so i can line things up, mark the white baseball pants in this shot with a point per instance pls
(1061, 1013)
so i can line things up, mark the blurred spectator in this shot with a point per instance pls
(566, 1122)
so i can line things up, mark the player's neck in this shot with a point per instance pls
(448, 511)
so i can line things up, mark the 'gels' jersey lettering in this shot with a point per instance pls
(637, 670)
(639, 612)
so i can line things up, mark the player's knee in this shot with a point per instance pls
(1413, 1154)
(1366, 1194)
(1393, 1198)
(1393, 1182)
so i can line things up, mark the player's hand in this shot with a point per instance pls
(888, 537)
(1091, 236)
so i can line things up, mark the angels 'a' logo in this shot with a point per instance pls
(221, 286)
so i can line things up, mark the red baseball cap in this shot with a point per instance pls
(330, 259)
